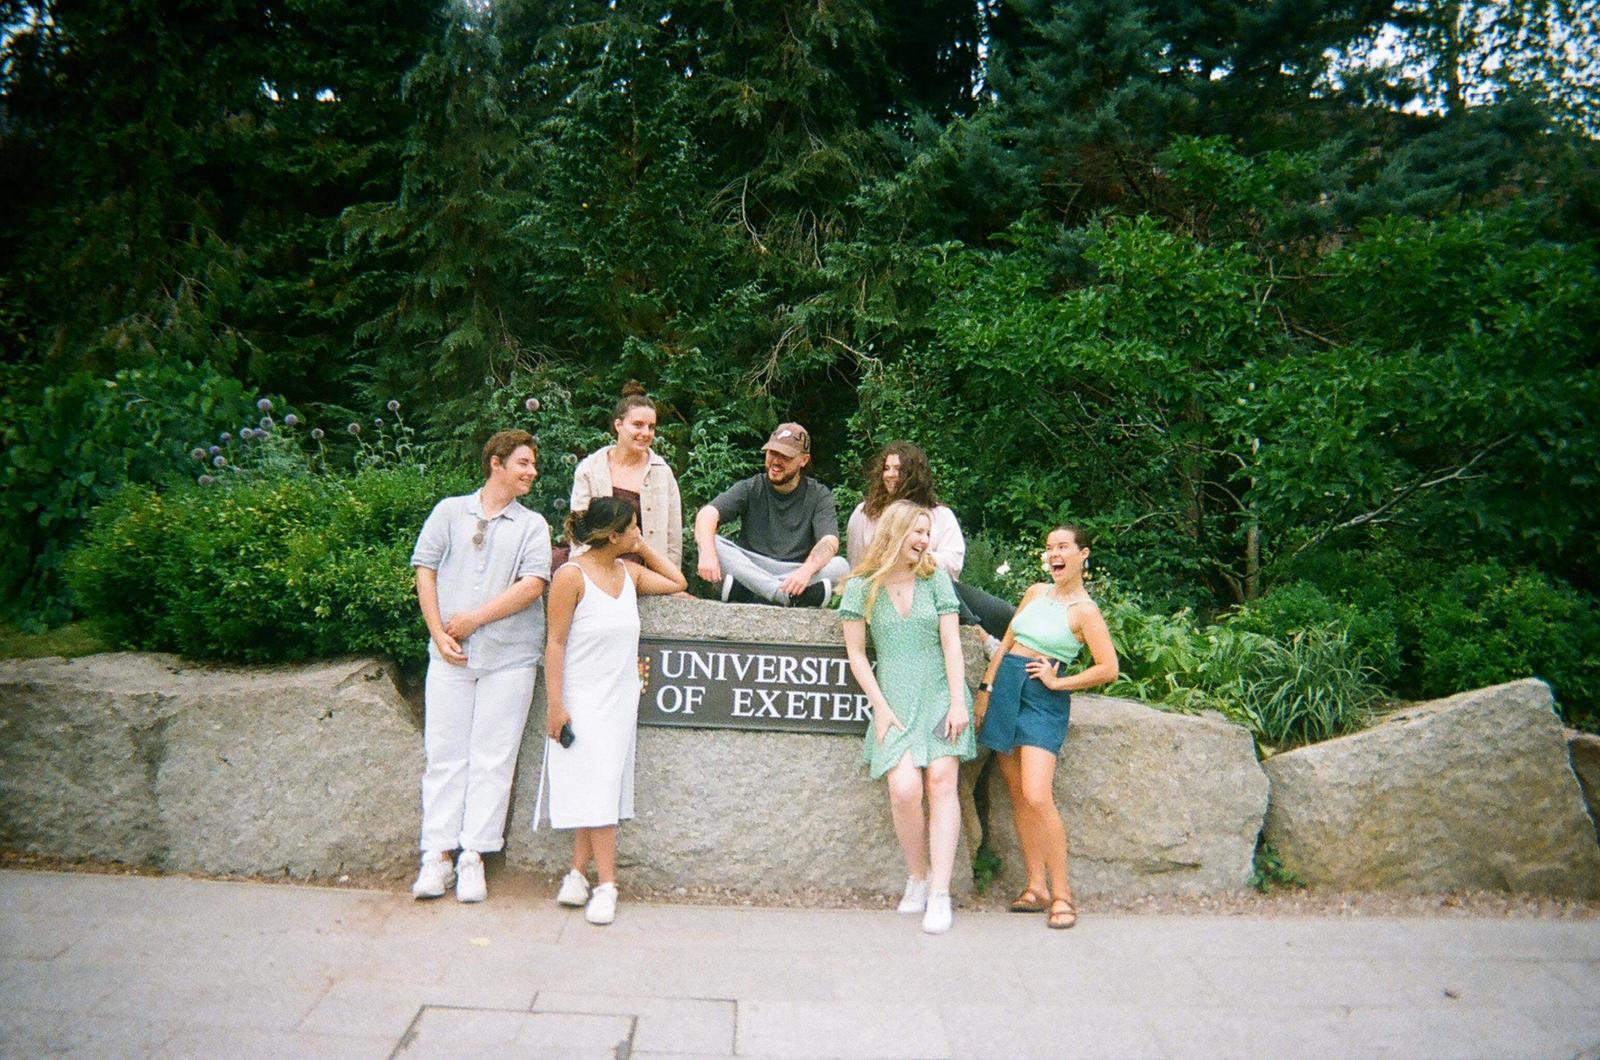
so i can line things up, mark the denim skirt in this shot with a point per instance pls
(1023, 711)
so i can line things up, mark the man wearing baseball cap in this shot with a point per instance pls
(787, 552)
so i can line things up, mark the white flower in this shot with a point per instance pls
(1004, 569)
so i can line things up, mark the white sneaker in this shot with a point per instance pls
(602, 907)
(469, 877)
(574, 889)
(436, 876)
(915, 900)
(937, 920)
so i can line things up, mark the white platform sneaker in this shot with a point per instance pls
(938, 918)
(436, 876)
(574, 889)
(915, 900)
(602, 907)
(470, 885)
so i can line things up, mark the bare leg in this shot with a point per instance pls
(582, 851)
(944, 821)
(604, 843)
(1038, 778)
(1027, 833)
(905, 805)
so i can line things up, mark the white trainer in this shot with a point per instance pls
(470, 886)
(937, 920)
(602, 907)
(915, 900)
(436, 876)
(574, 889)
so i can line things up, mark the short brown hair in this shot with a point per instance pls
(634, 396)
(502, 444)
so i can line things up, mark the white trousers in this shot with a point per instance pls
(764, 576)
(471, 731)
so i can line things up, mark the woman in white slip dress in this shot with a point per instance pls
(592, 680)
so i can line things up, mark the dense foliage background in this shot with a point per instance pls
(1294, 304)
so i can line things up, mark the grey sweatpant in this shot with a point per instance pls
(764, 576)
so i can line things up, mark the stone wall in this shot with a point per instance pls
(313, 771)
(749, 811)
(149, 760)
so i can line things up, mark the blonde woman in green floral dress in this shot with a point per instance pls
(921, 709)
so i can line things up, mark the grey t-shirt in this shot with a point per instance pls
(783, 526)
(516, 545)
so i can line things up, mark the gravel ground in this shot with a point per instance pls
(533, 886)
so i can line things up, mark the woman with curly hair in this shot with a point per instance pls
(900, 472)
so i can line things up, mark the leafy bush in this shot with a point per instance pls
(1372, 627)
(1484, 624)
(259, 571)
(1308, 687)
(71, 445)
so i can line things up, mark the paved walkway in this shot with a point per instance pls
(127, 967)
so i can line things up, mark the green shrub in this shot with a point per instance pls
(1311, 687)
(1485, 624)
(71, 445)
(1373, 627)
(263, 570)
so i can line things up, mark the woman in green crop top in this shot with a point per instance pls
(1023, 706)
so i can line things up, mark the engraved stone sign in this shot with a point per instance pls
(731, 685)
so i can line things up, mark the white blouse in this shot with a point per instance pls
(949, 546)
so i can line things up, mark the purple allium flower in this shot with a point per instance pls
(569, 459)
(266, 428)
(265, 404)
(393, 405)
(205, 480)
(198, 453)
(316, 434)
(266, 423)
(561, 504)
(291, 420)
(354, 428)
(377, 421)
(248, 434)
(532, 404)
(219, 461)
(214, 450)
(225, 437)
(488, 380)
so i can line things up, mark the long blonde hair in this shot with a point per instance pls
(888, 538)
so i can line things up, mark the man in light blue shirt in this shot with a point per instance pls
(482, 562)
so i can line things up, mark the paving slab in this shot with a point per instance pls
(95, 966)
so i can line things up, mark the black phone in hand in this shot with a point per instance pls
(566, 737)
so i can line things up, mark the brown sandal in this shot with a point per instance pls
(1065, 918)
(1029, 901)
